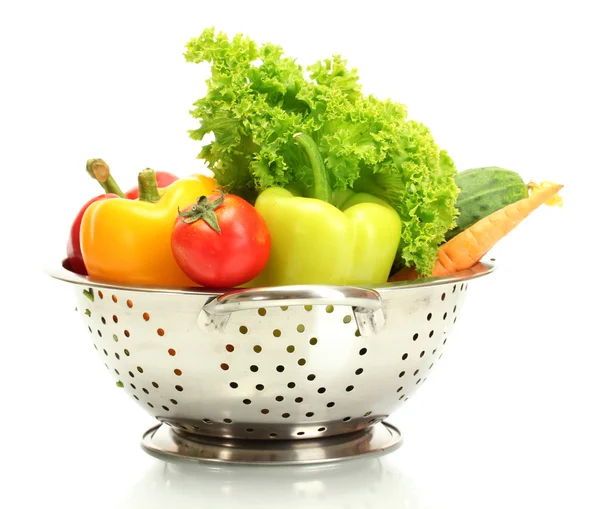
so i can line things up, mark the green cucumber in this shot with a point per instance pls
(483, 191)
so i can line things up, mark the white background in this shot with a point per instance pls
(508, 420)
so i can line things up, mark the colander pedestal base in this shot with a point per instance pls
(164, 443)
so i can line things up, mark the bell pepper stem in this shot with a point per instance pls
(322, 188)
(99, 171)
(147, 186)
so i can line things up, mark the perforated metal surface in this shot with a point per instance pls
(285, 372)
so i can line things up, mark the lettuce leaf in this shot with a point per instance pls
(257, 99)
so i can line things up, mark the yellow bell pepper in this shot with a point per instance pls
(129, 241)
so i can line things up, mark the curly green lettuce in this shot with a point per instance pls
(257, 99)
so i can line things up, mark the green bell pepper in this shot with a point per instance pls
(313, 242)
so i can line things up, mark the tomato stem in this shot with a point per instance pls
(147, 186)
(204, 209)
(100, 172)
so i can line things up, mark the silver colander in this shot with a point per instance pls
(284, 365)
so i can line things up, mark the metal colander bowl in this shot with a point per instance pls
(296, 363)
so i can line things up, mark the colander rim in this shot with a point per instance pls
(61, 272)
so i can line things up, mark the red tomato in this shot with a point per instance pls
(230, 258)
(163, 179)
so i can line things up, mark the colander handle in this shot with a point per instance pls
(366, 304)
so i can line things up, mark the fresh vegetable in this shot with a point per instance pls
(163, 179)
(100, 171)
(313, 242)
(483, 191)
(129, 241)
(257, 99)
(220, 241)
(74, 255)
(468, 247)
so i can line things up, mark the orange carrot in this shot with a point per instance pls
(470, 246)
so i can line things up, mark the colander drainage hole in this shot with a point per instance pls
(359, 371)
(329, 309)
(300, 433)
(291, 385)
(404, 356)
(300, 328)
(362, 351)
(279, 398)
(330, 404)
(272, 435)
(179, 388)
(429, 315)
(313, 341)
(321, 390)
(224, 366)
(146, 316)
(233, 385)
(103, 320)
(311, 377)
(207, 421)
(229, 348)
(322, 429)
(277, 333)
(260, 387)
(227, 421)
(249, 430)
(285, 415)
(262, 311)
(100, 294)
(347, 319)
(253, 368)
(243, 329)
(346, 419)
(280, 368)
(247, 402)
(145, 391)
(309, 414)
(264, 411)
